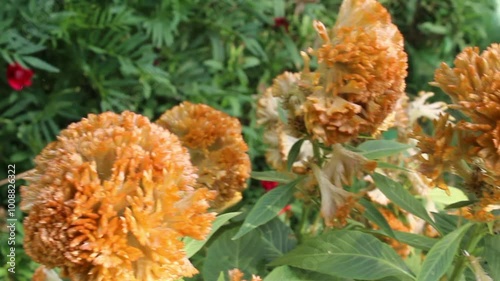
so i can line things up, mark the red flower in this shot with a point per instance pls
(269, 185)
(287, 208)
(281, 21)
(18, 76)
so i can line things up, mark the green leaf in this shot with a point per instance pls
(441, 255)
(385, 165)
(225, 254)
(40, 64)
(429, 27)
(447, 223)
(192, 246)
(221, 277)
(250, 62)
(492, 255)
(415, 240)
(273, 176)
(294, 153)
(268, 207)
(278, 238)
(376, 149)
(400, 196)
(348, 254)
(282, 273)
(374, 215)
(460, 204)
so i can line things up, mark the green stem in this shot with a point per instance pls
(305, 216)
(471, 245)
(317, 154)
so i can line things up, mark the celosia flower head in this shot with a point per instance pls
(362, 67)
(110, 200)
(474, 86)
(217, 148)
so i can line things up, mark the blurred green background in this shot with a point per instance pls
(147, 56)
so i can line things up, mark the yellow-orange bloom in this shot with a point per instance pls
(474, 86)
(110, 200)
(217, 148)
(362, 67)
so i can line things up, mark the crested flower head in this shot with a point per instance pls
(217, 148)
(362, 67)
(474, 88)
(110, 200)
(278, 134)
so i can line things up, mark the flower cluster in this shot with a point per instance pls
(111, 198)
(469, 149)
(216, 146)
(361, 74)
(358, 82)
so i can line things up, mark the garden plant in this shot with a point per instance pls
(250, 140)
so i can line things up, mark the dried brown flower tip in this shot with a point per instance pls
(217, 148)
(362, 71)
(474, 86)
(110, 200)
(278, 134)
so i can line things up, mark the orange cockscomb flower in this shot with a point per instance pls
(362, 67)
(217, 148)
(474, 86)
(110, 200)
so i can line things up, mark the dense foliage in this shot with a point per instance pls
(148, 56)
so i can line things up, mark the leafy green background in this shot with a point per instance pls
(147, 56)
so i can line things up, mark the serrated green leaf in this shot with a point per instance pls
(278, 238)
(225, 254)
(40, 64)
(441, 255)
(268, 207)
(294, 153)
(347, 254)
(273, 176)
(374, 215)
(376, 149)
(192, 246)
(400, 196)
(492, 255)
